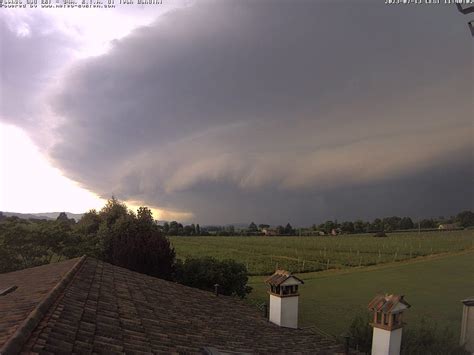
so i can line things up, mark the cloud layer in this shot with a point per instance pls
(237, 111)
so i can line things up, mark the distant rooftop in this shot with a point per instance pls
(84, 305)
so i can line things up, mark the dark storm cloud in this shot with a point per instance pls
(274, 111)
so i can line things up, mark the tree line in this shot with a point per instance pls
(389, 224)
(119, 236)
(463, 219)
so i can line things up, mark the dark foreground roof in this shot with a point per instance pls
(88, 306)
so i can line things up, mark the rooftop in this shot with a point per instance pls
(388, 303)
(87, 306)
(280, 276)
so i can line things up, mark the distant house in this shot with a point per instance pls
(448, 226)
(334, 232)
(269, 231)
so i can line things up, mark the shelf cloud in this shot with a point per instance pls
(272, 111)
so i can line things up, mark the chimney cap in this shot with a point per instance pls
(282, 276)
(468, 302)
(388, 303)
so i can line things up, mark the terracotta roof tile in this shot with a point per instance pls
(32, 286)
(105, 308)
(279, 277)
(385, 303)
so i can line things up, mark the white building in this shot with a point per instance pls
(467, 325)
(284, 298)
(387, 324)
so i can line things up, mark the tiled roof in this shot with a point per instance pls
(32, 287)
(279, 277)
(88, 306)
(385, 303)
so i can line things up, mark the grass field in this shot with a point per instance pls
(262, 255)
(433, 286)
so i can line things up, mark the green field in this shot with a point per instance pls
(433, 286)
(262, 255)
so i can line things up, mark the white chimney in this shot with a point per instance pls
(284, 298)
(387, 324)
(467, 325)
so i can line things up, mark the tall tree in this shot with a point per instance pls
(465, 218)
(253, 227)
(289, 229)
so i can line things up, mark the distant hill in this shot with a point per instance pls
(42, 215)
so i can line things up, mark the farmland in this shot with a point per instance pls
(433, 286)
(262, 255)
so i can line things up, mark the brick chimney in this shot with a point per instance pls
(467, 325)
(284, 298)
(387, 323)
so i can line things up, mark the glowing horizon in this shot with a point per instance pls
(50, 190)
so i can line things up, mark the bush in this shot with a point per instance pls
(8, 262)
(147, 252)
(380, 235)
(424, 338)
(427, 339)
(361, 332)
(204, 273)
(134, 241)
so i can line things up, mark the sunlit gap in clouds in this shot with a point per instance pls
(29, 184)
(28, 180)
(91, 31)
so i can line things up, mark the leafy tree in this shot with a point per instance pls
(427, 223)
(188, 230)
(377, 225)
(253, 227)
(359, 226)
(8, 261)
(465, 219)
(21, 239)
(143, 250)
(391, 223)
(166, 228)
(62, 217)
(89, 223)
(198, 229)
(289, 229)
(112, 211)
(347, 227)
(329, 226)
(85, 239)
(204, 273)
(145, 216)
(406, 223)
(134, 241)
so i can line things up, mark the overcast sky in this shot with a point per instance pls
(238, 111)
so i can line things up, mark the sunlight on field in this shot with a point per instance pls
(433, 287)
(262, 255)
